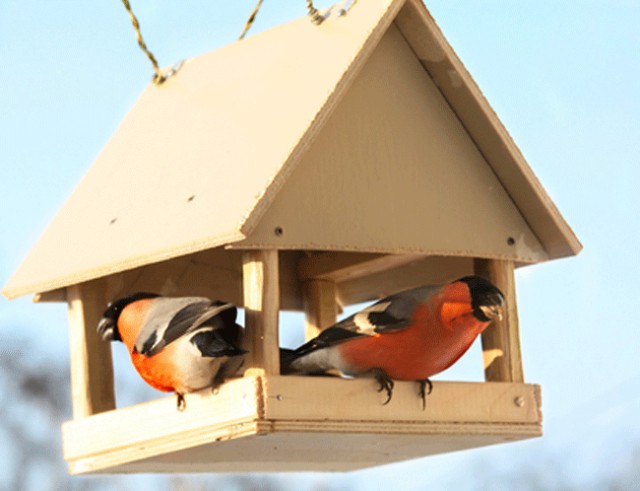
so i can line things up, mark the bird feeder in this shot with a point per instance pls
(305, 168)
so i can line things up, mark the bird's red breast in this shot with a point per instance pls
(441, 330)
(156, 370)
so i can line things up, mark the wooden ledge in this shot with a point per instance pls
(280, 423)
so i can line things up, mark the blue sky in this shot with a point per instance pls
(562, 76)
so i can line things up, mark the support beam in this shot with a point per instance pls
(262, 307)
(349, 265)
(320, 307)
(501, 340)
(92, 388)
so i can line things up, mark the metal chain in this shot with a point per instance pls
(250, 20)
(316, 17)
(159, 77)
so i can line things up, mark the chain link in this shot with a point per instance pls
(159, 77)
(250, 20)
(316, 16)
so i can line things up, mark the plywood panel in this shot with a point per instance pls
(157, 427)
(485, 128)
(427, 271)
(394, 170)
(287, 450)
(290, 398)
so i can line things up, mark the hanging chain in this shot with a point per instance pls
(159, 76)
(316, 17)
(250, 20)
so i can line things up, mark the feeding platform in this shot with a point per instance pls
(305, 168)
(276, 423)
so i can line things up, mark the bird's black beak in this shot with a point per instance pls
(107, 329)
(492, 305)
(492, 311)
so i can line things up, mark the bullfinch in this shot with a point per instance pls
(176, 344)
(411, 335)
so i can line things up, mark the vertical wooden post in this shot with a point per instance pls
(92, 388)
(261, 289)
(501, 340)
(320, 308)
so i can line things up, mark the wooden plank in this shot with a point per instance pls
(262, 307)
(51, 296)
(320, 307)
(341, 266)
(325, 399)
(92, 389)
(430, 270)
(288, 449)
(215, 273)
(501, 340)
(279, 423)
(157, 427)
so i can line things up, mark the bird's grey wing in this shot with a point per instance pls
(172, 318)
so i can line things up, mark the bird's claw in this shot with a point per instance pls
(181, 403)
(426, 383)
(386, 384)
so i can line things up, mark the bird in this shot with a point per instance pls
(177, 344)
(411, 335)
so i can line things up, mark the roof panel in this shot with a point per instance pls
(200, 159)
(194, 157)
(393, 170)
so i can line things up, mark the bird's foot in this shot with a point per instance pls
(385, 382)
(426, 387)
(181, 403)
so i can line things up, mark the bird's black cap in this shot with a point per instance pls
(487, 300)
(108, 325)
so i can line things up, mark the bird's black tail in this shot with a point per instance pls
(287, 357)
(211, 343)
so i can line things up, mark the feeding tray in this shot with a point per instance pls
(292, 423)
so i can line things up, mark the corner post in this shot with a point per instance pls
(320, 307)
(501, 340)
(261, 288)
(92, 389)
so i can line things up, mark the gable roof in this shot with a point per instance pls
(200, 160)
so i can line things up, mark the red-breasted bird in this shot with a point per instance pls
(411, 335)
(176, 344)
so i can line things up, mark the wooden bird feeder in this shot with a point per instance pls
(305, 168)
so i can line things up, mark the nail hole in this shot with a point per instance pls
(511, 241)
(278, 231)
(191, 198)
(113, 220)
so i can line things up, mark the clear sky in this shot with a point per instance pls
(562, 76)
